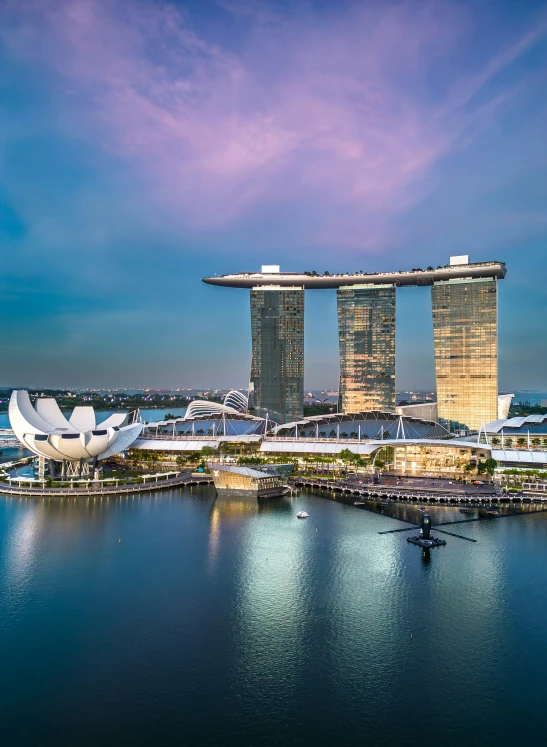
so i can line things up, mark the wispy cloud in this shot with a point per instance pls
(337, 111)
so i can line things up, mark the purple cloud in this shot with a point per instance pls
(345, 113)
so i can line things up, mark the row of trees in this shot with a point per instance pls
(521, 441)
(143, 457)
(346, 456)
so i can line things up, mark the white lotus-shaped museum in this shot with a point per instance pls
(46, 432)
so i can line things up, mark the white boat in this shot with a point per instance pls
(302, 515)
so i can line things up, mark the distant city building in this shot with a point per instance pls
(277, 367)
(366, 330)
(465, 338)
(543, 402)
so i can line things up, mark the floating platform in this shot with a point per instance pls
(426, 543)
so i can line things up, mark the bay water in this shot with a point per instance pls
(180, 618)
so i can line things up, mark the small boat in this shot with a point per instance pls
(302, 515)
(359, 503)
(493, 513)
(465, 510)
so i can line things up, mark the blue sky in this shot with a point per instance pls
(145, 144)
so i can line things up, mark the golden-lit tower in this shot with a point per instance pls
(465, 337)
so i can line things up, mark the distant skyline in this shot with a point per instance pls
(145, 144)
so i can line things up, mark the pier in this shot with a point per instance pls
(410, 495)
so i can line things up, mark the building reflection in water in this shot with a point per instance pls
(21, 549)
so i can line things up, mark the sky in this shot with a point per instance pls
(145, 144)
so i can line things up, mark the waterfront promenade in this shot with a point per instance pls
(417, 495)
(182, 480)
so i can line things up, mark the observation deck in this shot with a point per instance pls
(310, 281)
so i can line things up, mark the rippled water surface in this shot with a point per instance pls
(219, 622)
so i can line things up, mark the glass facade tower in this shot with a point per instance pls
(465, 336)
(366, 329)
(277, 367)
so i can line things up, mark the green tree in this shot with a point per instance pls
(490, 465)
(347, 457)
(207, 451)
(250, 460)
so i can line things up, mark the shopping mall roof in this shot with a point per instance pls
(376, 421)
(532, 423)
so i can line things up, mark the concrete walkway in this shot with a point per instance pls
(146, 487)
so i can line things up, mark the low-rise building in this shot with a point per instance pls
(246, 481)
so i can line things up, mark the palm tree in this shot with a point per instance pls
(347, 457)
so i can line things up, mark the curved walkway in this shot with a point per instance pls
(146, 487)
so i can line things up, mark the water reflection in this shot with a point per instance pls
(21, 546)
(232, 512)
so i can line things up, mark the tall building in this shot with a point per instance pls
(366, 329)
(465, 337)
(277, 366)
(464, 296)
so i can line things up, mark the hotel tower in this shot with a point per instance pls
(465, 324)
(277, 366)
(366, 332)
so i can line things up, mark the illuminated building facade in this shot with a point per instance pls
(465, 336)
(464, 296)
(366, 329)
(277, 366)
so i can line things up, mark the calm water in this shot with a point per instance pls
(226, 623)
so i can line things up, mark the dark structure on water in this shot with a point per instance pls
(424, 539)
